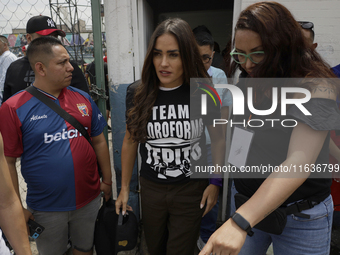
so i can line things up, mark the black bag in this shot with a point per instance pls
(105, 229)
(114, 233)
(274, 223)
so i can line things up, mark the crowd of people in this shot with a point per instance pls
(46, 109)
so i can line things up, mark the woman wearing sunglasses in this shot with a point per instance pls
(291, 210)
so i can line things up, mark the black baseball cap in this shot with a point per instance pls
(42, 25)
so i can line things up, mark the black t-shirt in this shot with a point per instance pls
(176, 139)
(91, 71)
(270, 145)
(20, 75)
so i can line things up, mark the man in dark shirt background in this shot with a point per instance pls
(20, 74)
(90, 75)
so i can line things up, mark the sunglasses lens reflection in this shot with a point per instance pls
(307, 25)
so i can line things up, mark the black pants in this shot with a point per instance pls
(172, 216)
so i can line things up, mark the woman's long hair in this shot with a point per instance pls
(146, 93)
(287, 52)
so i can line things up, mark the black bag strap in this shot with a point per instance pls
(297, 207)
(120, 218)
(60, 111)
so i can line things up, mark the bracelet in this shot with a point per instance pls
(107, 183)
(216, 181)
(242, 223)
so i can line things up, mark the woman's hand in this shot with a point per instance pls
(122, 200)
(227, 240)
(210, 196)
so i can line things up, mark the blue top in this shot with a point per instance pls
(219, 77)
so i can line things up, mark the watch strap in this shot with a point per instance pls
(242, 223)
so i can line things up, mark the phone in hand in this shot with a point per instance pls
(35, 229)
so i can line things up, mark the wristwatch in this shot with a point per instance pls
(242, 223)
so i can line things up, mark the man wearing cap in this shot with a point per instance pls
(20, 75)
(6, 58)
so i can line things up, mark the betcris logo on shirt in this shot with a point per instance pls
(64, 135)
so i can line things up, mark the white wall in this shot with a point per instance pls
(219, 22)
(145, 29)
(119, 40)
(325, 14)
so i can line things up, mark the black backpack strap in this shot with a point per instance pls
(60, 111)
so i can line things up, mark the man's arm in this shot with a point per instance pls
(11, 214)
(103, 157)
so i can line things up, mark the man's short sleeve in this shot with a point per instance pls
(219, 77)
(11, 132)
(98, 120)
(227, 98)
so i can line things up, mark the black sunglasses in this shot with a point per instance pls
(306, 24)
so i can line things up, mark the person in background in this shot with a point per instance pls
(12, 220)
(105, 55)
(6, 58)
(24, 49)
(90, 74)
(206, 44)
(58, 164)
(218, 60)
(269, 44)
(20, 74)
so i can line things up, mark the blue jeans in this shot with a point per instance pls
(300, 236)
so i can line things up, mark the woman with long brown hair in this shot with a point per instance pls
(293, 209)
(159, 120)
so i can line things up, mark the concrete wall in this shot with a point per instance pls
(325, 14)
(120, 20)
(219, 22)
